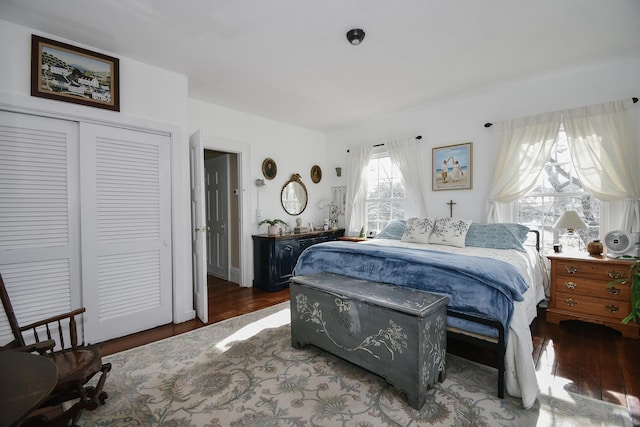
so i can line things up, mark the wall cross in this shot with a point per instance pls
(451, 203)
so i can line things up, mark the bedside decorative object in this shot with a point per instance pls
(595, 247)
(571, 222)
(269, 168)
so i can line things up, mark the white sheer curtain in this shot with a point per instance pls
(605, 157)
(526, 144)
(355, 216)
(406, 156)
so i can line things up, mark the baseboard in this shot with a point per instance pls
(234, 275)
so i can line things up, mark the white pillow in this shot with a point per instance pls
(450, 231)
(417, 230)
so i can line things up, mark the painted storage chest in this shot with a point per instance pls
(395, 332)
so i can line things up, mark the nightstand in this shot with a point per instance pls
(579, 291)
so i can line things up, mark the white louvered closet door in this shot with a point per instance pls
(126, 230)
(39, 217)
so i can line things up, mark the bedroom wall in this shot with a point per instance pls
(149, 97)
(294, 149)
(461, 120)
(159, 98)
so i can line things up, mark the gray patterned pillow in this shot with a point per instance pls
(394, 230)
(450, 231)
(417, 230)
(497, 236)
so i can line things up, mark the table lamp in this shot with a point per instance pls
(571, 221)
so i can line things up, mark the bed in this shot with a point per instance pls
(493, 280)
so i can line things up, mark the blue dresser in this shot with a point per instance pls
(274, 257)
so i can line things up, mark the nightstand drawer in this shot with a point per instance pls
(597, 272)
(588, 287)
(599, 307)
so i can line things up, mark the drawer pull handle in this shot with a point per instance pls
(570, 302)
(614, 275)
(613, 291)
(612, 308)
(571, 269)
(571, 285)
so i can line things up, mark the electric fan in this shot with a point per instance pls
(622, 243)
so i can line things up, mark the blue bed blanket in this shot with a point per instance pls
(478, 286)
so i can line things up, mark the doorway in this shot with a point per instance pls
(240, 272)
(222, 207)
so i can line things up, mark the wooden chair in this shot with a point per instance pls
(76, 364)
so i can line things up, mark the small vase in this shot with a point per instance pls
(595, 248)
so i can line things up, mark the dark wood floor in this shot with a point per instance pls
(226, 300)
(587, 359)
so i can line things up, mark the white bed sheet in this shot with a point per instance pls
(520, 375)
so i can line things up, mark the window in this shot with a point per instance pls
(557, 190)
(385, 197)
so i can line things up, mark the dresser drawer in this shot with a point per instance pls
(598, 307)
(604, 273)
(594, 288)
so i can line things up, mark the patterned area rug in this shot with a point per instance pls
(244, 372)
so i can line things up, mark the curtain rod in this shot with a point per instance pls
(489, 124)
(380, 145)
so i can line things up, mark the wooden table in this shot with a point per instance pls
(352, 239)
(25, 381)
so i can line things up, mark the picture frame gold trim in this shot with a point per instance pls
(316, 174)
(269, 168)
(73, 74)
(458, 176)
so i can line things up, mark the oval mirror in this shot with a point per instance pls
(294, 196)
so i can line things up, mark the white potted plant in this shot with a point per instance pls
(273, 228)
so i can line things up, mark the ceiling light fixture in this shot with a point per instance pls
(355, 36)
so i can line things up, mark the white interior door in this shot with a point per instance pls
(198, 227)
(217, 195)
(126, 230)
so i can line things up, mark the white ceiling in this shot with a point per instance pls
(289, 60)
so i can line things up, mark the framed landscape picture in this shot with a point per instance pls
(453, 167)
(73, 74)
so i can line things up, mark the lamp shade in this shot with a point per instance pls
(571, 221)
